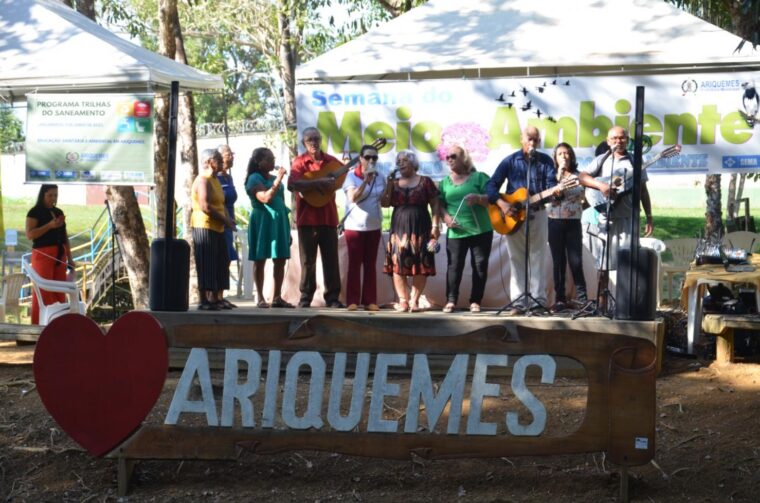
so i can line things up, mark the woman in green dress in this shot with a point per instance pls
(269, 226)
(463, 209)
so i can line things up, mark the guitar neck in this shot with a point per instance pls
(536, 198)
(346, 168)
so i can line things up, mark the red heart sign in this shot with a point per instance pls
(98, 387)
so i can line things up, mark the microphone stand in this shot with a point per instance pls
(523, 302)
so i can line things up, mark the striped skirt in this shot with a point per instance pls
(212, 262)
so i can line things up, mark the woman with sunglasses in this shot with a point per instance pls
(463, 209)
(410, 251)
(362, 223)
(565, 236)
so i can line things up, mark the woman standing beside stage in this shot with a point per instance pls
(362, 223)
(565, 234)
(230, 196)
(463, 206)
(51, 253)
(269, 226)
(410, 251)
(207, 221)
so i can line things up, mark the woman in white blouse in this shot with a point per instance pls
(565, 235)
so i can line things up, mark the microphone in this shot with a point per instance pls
(532, 152)
(393, 173)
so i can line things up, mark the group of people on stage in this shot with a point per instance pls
(553, 187)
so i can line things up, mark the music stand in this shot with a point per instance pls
(606, 307)
(526, 297)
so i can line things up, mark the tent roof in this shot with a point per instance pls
(46, 46)
(497, 38)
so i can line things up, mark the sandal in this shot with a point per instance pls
(402, 306)
(414, 308)
(208, 306)
(280, 302)
(262, 304)
(449, 307)
(226, 304)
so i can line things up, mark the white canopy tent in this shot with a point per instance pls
(46, 46)
(507, 38)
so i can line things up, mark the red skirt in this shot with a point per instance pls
(46, 265)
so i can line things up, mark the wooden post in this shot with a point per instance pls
(124, 474)
(624, 484)
(724, 346)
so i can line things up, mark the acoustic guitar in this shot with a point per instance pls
(596, 199)
(507, 224)
(338, 171)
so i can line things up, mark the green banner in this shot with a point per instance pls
(90, 138)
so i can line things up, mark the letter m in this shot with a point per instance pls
(350, 129)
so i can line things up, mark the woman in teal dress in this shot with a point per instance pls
(269, 226)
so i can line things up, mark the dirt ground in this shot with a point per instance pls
(708, 449)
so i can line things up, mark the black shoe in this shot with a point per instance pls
(304, 303)
(336, 304)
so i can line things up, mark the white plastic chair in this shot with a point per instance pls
(9, 304)
(52, 311)
(682, 250)
(659, 247)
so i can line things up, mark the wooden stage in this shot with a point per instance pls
(431, 322)
(426, 323)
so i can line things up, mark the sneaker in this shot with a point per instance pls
(336, 304)
(352, 307)
(304, 303)
(449, 307)
(474, 307)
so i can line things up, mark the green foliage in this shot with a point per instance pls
(11, 129)
(740, 17)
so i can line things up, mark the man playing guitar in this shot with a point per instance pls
(317, 225)
(617, 163)
(514, 169)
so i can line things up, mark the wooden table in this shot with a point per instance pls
(697, 277)
(723, 326)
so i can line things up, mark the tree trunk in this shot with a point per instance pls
(167, 13)
(713, 214)
(287, 74)
(188, 154)
(740, 189)
(731, 198)
(133, 241)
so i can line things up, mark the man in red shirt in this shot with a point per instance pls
(317, 226)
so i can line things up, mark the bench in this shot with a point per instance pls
(723, 327)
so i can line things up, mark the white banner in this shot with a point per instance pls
(90, 139)
(713, 116)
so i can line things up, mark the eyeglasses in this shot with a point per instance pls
(451, 157)
(370, 157)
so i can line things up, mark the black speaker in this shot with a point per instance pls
(170, 281)
(640, 305)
